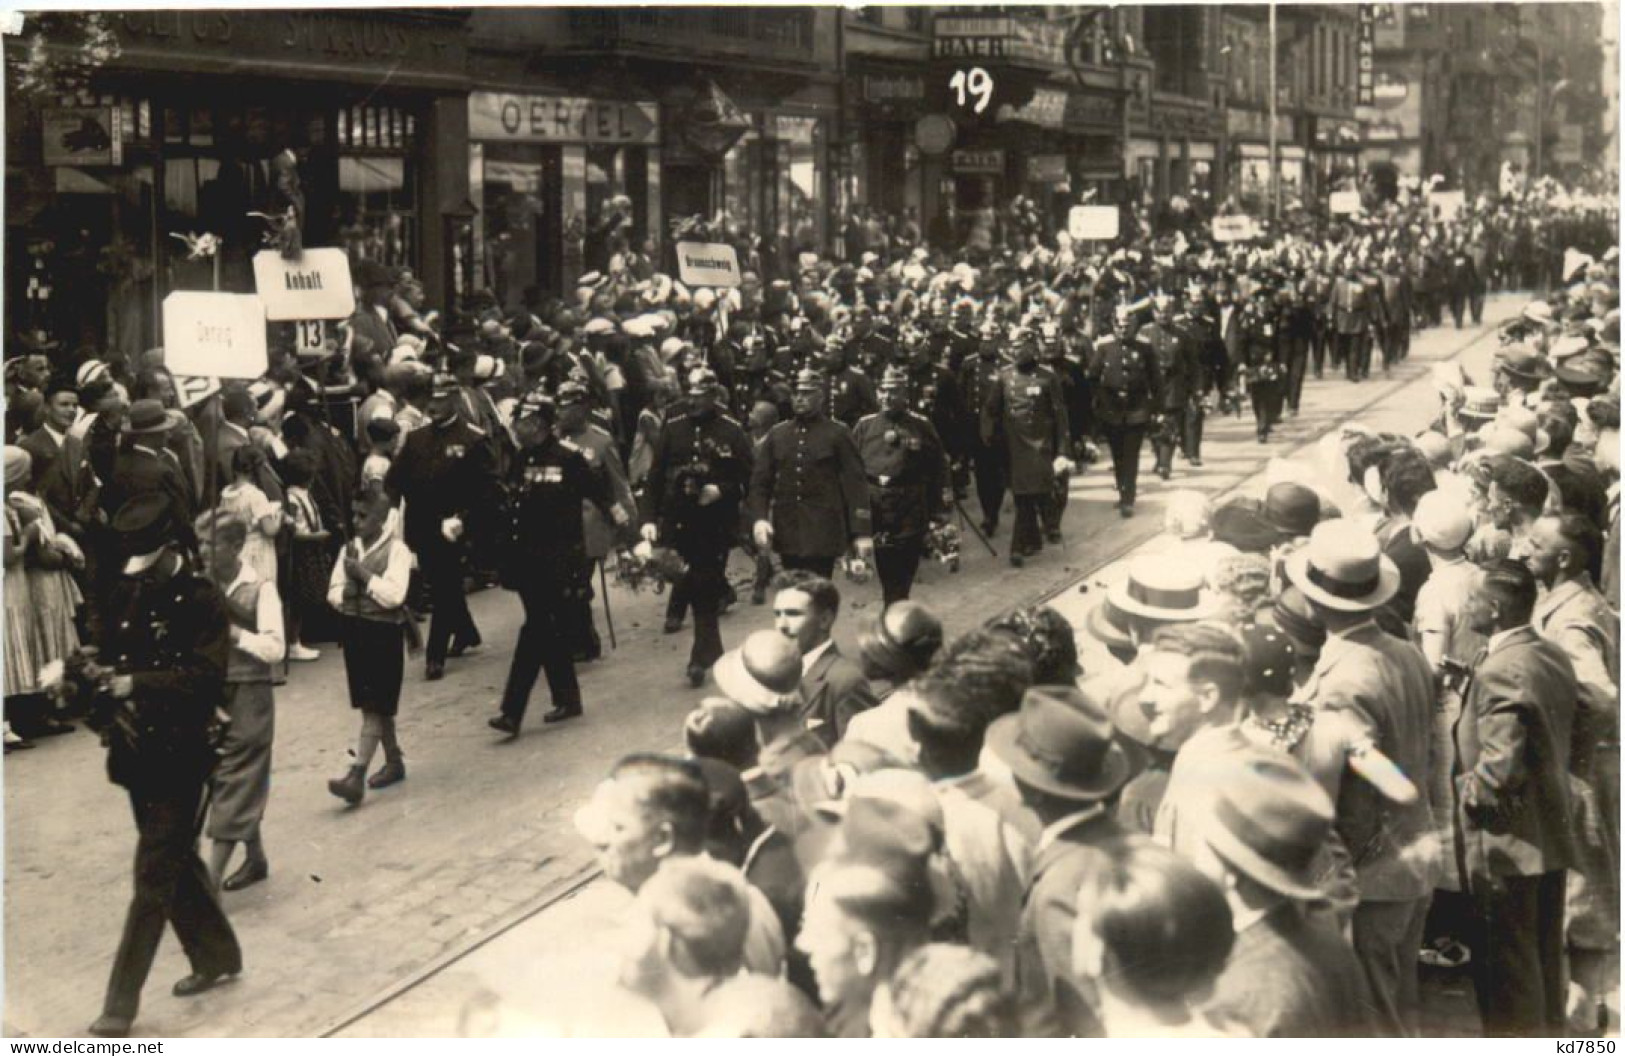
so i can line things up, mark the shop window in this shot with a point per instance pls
(741, 173)
(612, 173)
(523, 197)
(377, 184)
(801, 182)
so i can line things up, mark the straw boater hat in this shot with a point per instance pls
(1155, 589)
(1480, 403)
(1343, 568)
(760, 673)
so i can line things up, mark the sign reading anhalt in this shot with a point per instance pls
(502, 116)
(215, 335)
(315, 286)
(707, 264)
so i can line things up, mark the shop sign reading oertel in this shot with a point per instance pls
(510, 117)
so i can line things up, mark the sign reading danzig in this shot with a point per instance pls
(215, 335)
(315, 286)
(707, 264)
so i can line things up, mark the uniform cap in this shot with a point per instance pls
(570, 393)
(894, 378)
(808, 381)
(444, 385)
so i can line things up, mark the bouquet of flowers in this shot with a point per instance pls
(647, 567)
(942, 543)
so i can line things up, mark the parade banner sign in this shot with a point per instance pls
(1343, 202)
(707, 264)
(215, 335)
(1234, 228)
(1087, 222)
(316, 285)
(191, 389)
(1447, 203)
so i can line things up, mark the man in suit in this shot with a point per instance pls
(374, 334)
(60, 411)
(1059, 748)
(237, 414)
(833, 688)
(808, 496)
(1574, 615)
(1385, 686)
(1291, 973)
(446, 474)
(1514, 840)
(146, 465)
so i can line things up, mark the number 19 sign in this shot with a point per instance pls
(972, 88)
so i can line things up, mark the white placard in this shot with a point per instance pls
(316, 286)
(1087, 222)
(190, 389)
(707, 264)
(217, 335)
(1234, 228)
(1447, 203)
(1344, 203)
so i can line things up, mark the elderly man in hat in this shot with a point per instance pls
(545, 560)
(1291, 973)
(868, 907)
(1026, 409)
(808, 496)
(1386, 686)
(446, 474)
(697, 483)
(907, 471)
(1513, 818)
(1067, 766)
(165, 643)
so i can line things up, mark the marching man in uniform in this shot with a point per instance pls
(807, 493)
(906, 468)
(701, 468)
(546, 559)
(1026, 407)
(1127, 384)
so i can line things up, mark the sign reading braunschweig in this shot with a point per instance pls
(315, 286)
(505, 116)
(215, 335)
(707, 264)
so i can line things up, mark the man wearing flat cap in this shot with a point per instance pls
(808, 496)
(697, 481)
(165, 643)
(446, 473)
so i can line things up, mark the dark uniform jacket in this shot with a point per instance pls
(547, 483)
(172, 637)
(808, 483)
(443, 471)
(1126, 381)
(1351, 305)
(691, 453)
(937, 399)
(978, 377)
(1028, 407)
(1179, 362)
(849, 395)
(904, 464)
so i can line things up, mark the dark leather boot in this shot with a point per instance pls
(351, 787)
